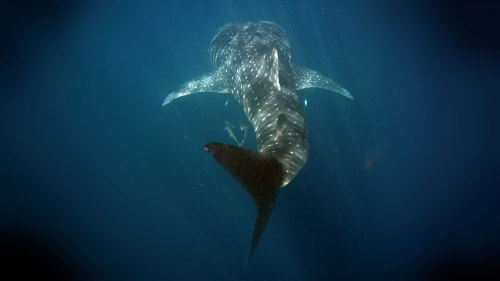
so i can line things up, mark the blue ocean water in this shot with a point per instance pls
(100, 182)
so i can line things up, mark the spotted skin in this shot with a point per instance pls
(253, 71)
(253, 63)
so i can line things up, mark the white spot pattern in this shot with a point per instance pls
(253, 63)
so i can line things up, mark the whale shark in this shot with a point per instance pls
(253, 63)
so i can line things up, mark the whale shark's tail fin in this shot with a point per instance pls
(259, 173)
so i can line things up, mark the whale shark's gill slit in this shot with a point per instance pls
(259, 173)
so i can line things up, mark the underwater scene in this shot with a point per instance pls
(249, 140)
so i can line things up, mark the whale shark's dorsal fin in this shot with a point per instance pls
(259, 173)
(212, 82)
(274, 77)
(308, 78)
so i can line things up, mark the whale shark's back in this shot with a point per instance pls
(238, 37)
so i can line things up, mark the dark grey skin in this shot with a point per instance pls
(253, 63)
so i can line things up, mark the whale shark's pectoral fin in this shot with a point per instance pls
(212, 82)
(308, 78)
(259, 173)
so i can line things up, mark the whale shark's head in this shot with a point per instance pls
(250, 38)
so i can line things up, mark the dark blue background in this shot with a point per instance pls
(98, 181)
